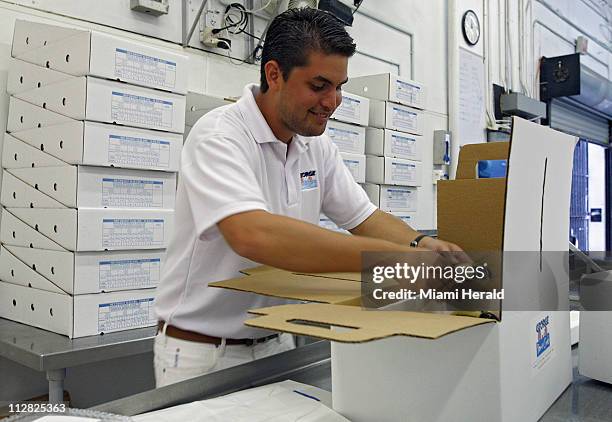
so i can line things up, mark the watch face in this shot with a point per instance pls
(471, 27)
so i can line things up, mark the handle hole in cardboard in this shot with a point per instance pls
(14, 236)
(21, 79)
(44, 105)
(67, 58)
(39, 125)
(31, 306)
(27, 40)
(55, 228)
(15, 156)
(29, 284)
(36, 186)
(317, 324)
(45, 42)
(52, 270)
(61, 144)
(14, 195)
(42, 147)
(32, 165)
(36, 227)
(47, 64)
(38, 85)
(55, 186)
(64, 101)
(31, 246)
(21, 119)
(14, 302)
(34, 267)
(31, 205)
(12, 273)
(51, 311)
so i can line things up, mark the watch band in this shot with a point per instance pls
(417, 239)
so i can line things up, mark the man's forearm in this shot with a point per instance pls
(294, 245)
(382, 225)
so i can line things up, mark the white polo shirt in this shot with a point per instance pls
(231, 163)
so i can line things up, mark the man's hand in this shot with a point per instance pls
(456, 254)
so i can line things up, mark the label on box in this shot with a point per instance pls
(405, 218)
(408, 92)
(346, 140)
(404, 119)
(132, 232)
(124, 315)
(398, 198)
(403, 145)
(542, 342)
(401, 172)
(349, 108)
(131, 150)
(143, 110)
(353, 166)
(128, 273)
(146, 69)
(132, 193)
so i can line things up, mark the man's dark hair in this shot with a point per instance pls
(294, 34)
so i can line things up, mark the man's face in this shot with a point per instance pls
(311, 93)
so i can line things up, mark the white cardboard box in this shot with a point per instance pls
(392, 198)
(353, 109)
(393, 171)
(395, 366)
(78, 316)
(89, 98)
(349, 138)
(23, 115)
(82, 52)
(86, 186)
(407, 217)
(391, 143)
(386, 115)
(78, 273)
(87, 229)
(389, 87)
(100, 144)
(356, 164)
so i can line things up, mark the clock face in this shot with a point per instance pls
(471, 27)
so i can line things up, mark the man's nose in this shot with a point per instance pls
(331, 100)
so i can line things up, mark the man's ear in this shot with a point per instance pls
(274, 75)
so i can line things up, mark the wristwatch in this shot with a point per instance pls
(417, 239)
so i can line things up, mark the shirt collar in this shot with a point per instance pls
(256, 122)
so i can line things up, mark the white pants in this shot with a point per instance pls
(177, 360)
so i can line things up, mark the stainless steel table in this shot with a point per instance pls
(52, 353)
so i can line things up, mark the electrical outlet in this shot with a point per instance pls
(210, 40)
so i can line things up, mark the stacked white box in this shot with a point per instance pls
(89, 178)
(347, 131)
(393, 143)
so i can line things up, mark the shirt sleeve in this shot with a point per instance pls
(344, 201)
(219, 181)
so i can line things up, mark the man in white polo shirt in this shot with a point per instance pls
(254, 178)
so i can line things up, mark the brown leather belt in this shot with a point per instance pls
(175, 332)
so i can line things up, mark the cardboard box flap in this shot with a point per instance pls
(24, 115)
(67, 97)
(58, 225)
(17, 193)
(56, 266)
(70, 56)
(13, 231)
(24, 76)
(18, 154)
(361, 325)
(471, 154)
(278, 283)
(59, 183)
(15, 271)
(33, 35)
(63, 141)
(267, 269)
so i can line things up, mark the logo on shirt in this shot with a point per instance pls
(309, 180)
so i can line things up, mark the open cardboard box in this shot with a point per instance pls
(394, 365)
